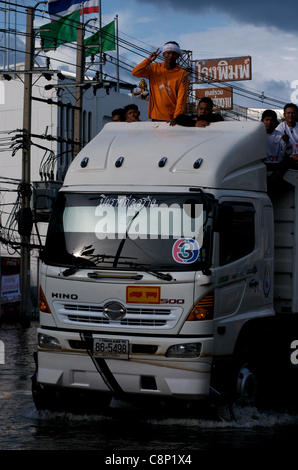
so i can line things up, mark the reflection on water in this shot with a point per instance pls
(124, 427)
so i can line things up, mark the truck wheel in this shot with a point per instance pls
(246, 386)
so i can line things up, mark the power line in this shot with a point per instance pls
(144, 52)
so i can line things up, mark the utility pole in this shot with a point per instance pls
(80, 68)
(25, 188)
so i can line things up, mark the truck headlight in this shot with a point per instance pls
(185, 350)
(48, 342)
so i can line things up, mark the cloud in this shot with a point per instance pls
(268, 48)
(264, 12)
(273, 70)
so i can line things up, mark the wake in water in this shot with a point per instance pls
(123, 412)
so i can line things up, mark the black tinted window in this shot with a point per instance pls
(239, 240)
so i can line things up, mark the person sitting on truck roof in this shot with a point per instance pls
(204, 116)
(278, 143)
(118, 115)
(132, 113)
(168, 83)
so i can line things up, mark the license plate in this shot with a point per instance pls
(111, 348)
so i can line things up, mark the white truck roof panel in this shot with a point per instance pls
(231, 153)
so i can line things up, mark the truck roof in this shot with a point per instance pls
(231, 153)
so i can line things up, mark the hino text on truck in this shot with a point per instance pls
(168, 272)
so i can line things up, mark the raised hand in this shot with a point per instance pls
(153, 55)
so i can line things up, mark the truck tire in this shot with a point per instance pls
(246, 386)
(251, 366)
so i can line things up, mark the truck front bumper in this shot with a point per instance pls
(141, 374)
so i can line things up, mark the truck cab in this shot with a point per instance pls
(158, 269)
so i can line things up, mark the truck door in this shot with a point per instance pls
(243, 274)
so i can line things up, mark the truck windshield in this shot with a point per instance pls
(129, 231)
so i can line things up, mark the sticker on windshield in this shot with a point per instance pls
(185, 250)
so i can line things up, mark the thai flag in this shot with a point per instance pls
(60, 8)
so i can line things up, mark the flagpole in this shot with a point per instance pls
(100, 41)
(117, 48)
(82, 8)
(80, 73)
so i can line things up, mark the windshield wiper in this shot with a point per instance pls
(158, 274)
(104, 258)
(85, 263)
(164, 277)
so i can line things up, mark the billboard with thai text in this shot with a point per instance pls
(217, 70)
(222, 97)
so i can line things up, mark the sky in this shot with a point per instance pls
(261, 29)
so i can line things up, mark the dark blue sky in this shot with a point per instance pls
(258, 12)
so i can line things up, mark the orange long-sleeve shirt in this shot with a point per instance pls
(167, 90)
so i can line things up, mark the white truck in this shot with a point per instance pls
(160, 279)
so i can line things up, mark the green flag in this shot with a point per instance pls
(107, 40)
(60, 32)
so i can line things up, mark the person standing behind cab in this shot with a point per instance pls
(290, 128)
(168, 83)
(278, 144)
(204, 115)
(118, 115)
(132, 113)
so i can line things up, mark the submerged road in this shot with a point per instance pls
(124, 427)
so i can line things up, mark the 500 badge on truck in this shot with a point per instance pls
(172, 301)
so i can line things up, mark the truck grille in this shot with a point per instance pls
(135, 317)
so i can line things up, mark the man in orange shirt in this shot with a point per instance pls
(168, 84)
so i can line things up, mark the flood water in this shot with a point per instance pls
(124, 428)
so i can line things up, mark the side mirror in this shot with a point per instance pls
(25, 222)
(222, 217)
